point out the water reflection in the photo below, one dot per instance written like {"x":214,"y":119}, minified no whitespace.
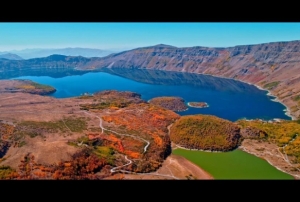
{"x":180,"y":78}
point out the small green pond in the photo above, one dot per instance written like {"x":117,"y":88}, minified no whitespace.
{"x":236,"y":164}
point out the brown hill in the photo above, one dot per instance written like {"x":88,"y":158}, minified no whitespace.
{"x":171,"y":103}
{"x":205,"y":132}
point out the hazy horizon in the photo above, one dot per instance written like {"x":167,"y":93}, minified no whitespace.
{"x":31,"y":49}
{"x":125,"y":36}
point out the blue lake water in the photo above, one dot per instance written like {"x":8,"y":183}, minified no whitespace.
{"x":226,"y":98}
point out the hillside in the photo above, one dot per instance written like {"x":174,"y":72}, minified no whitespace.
{"x":85,"y":137}
{"x":205,"y":132}
{"x":272,"y":66}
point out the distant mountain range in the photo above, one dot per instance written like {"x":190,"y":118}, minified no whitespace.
{"x":38,"y":53}
{"x":10,"y":56}
{"x":272,"y":66}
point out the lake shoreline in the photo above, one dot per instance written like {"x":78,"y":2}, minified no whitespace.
{"x":242,"y":148}
{"x":269,"y":93}
{"x":241,"y":170}
{"x":180,"y":147}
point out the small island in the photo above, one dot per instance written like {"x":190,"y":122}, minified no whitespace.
{"x":171,"y":103}
{"x":198,"y":104}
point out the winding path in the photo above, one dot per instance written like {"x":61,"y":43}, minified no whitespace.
{"x":135,"y":137}
{"x":117,"y":169}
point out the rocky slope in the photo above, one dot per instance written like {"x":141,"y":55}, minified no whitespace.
{"x":273,"y":66}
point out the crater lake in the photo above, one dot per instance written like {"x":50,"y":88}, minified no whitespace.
{"x":227,"y":98}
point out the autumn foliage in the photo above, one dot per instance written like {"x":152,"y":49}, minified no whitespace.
{"x":149,"y":122}
{"x":171,"y":103}
{"x":6,"y":132}
{"x":83,"y":165}
{"x":205,"y":132}
{"x":129,"y":122}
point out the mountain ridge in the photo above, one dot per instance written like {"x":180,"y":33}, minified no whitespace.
{"x":273,"y":66}
{"x":11,"y":56}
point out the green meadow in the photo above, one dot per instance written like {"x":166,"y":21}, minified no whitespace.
{"x":235,"y":164}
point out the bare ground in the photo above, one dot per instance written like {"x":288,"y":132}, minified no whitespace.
{"x":49,"y":148}
{"x":174,"y":168}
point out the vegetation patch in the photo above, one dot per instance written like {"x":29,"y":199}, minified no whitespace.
{"x":105,"y":152}
{"x":113,"y":100}
{"x":38,"y":128}
{"x":7,"y":173}
{"x":104,"y":105}
{"x":296,"y":98}
{"x":205,"y":132}
{"x":86,"y":97}
{"x":271,"y":85}
{"x":75,"y":124}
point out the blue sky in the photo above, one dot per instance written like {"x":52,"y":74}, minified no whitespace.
{"x":17,"y":36}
